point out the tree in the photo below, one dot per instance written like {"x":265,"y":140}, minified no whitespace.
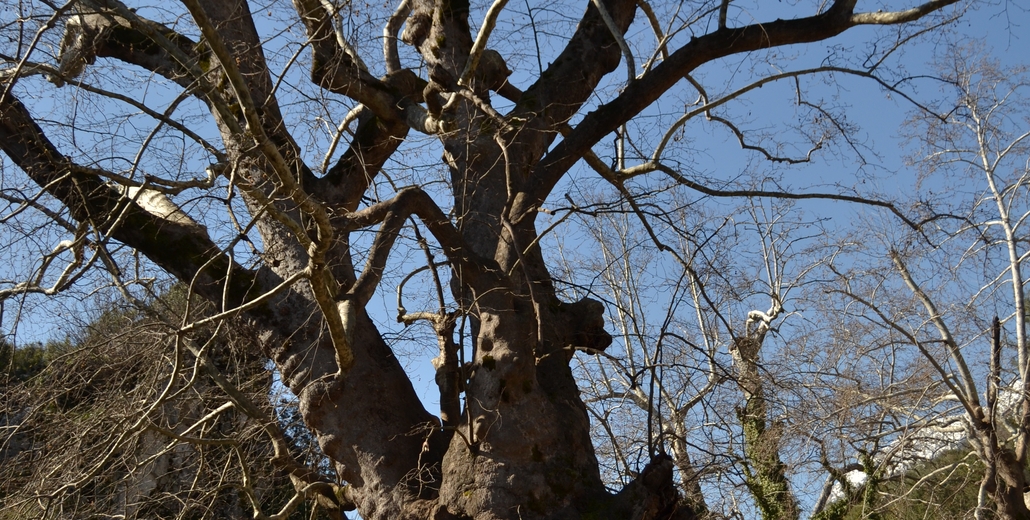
{"x":966,"y":323}
{"x":121,"y":420}
{"x":113,"y":172}
{"x":702,"y":356}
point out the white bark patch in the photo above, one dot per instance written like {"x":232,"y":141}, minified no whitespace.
{"x":157,"y":204}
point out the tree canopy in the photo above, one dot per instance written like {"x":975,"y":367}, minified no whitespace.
{"x":621,"y":319}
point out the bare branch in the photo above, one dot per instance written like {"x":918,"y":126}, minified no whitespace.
{"x":715,"y":192}
{"x":642,"y":92}
{"x":181,"y":249}
{"x":480,"y":44}
{"x":896,"y":17}
{"x":969,"y":384}
{"x":617,"y":34}
{"x":392,"y":213}
{"x":390,"y":30}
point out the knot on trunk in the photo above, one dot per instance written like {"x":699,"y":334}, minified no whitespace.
{"x":493,"y":72}
{"x":406,"y":83}
{"x":653,"y":494}
{"x":419,"y":23}
{"x":83,"y":34}
{"x":585,"y":320}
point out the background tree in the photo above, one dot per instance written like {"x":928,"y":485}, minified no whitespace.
{"x":702,"y":357}
{"x":181,"y":139}
{"x":123,"y":420}
{"x":964,"y":326}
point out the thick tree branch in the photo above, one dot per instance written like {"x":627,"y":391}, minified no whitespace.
{"x":480,"y":273}
{"x":656,"y":27}
{"x":480,"y":44}
{"x":116,"y":31}
{"x":718,"y":44}
{"x":391,"y":57}
{"x":285,"y":178}
{"x":335,"y":70}
{"x":627,"y":54}
{"x":570,"y":80}
{"x":896,"y":17}
{"x":184,"y":250}
{"x":374,"y":142}
{"x":107,"y":28}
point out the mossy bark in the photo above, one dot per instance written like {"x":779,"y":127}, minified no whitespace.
{"x":765,"y":473}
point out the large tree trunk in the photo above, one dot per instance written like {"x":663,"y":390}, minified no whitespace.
{"x":765,"y":473}
{"x":522,"y":447}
